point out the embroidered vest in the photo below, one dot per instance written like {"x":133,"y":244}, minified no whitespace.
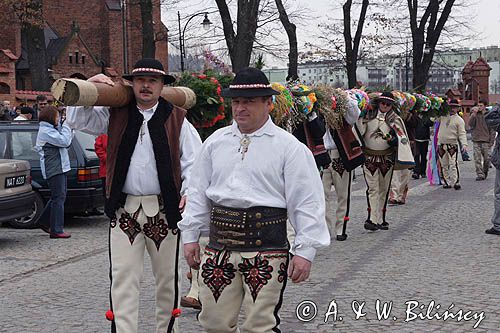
{"x":164,"y":129}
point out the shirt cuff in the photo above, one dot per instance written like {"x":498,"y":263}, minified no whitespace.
{"x":305,"y":252}
{"x":190,"y":236}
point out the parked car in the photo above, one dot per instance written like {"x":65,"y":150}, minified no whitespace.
{"x":16,"y":196}
{"x":84,"y":194}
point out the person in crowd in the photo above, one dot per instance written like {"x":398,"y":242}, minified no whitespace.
{"x":382,"y":131}
{"x":25,"y":114}
{"x":248,"y":178}
{"x":151,"y":149}
{"x":482,"y":140}
{"x":422,"y":139}
{"x":493,"y":121}
{"x":339,"y":173}
{"x":101,"y":146}
{"x":401,"y":178}
{"x":4,"y":112}
{"x":52,"y":144}
{"x":451,"y":133}
{"x":41,"y":103}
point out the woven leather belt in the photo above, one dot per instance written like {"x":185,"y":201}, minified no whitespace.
{"x":252,"y":229}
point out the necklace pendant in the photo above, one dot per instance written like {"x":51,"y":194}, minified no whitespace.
{"x":244,"y":143}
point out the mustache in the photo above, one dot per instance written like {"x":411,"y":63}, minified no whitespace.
{"x":146,"y":91}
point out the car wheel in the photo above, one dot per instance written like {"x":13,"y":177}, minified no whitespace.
{"x":29,"y":221}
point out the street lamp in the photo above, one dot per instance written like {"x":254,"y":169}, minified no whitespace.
{"x":206,"y":25}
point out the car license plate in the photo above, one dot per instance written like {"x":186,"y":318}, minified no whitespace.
{"x":15,"y":181}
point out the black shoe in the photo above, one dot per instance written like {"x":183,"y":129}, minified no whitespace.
{"x":423,"y":175}
{"x":401,"y":202}
{"x":384,"y":226}
{"x":492,"y":231}
{"x":457,"y":186}
{"x":446,"y":186}
{"x":341,"y":237}
{"x":478,"y":178}
{"x":415,"y":176}
{"x":369,"y":225}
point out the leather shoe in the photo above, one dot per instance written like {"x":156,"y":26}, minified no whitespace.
{"x":384,"y":226}
{"x":457,"y":186}
{"x":478,"y":178}
{"x":415,"y":176}
{"x":369,"y":225}
{"x":393,"y":202}
{"x":61,"y":235}
{"x":493,"y":231}
{"x":190,"y":302}
{"x":446,"y":186}
{"x":341,"y":237}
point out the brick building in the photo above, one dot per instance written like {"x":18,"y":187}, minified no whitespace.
{"x":83,"y":38}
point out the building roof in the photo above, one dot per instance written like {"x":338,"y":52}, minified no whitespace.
{"x":480,"y":64}
{"x":30,"y":95}
{"x":9,"y":54}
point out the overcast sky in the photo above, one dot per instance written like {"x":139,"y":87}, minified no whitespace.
{"x":485,"y":16}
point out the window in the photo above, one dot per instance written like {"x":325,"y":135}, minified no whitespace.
{"x":3,"y":144}
{"x":87,"y":142}
{"x":23,"y":143}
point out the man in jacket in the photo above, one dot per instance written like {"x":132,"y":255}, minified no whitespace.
{"x":493,"y":121}
{"x":422,"y":138}
{"x":451,"y":133}
{"x":482,"y":139}
{"x":151,"y":148}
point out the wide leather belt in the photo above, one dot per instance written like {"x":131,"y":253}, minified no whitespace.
{"x":252,"y":229}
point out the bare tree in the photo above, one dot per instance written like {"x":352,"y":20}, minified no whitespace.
{"x":30,"y":14}
{"x":352,"y":45}
{"x":425,"y":36}
{"x":148,"y":35}
{"x":240,"y":44}
{"x":291,"y":31}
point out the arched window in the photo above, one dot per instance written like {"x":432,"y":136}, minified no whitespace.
{"x":4,"y":88}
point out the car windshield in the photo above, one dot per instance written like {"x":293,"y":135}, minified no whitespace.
{"x":87,"y":143}
{"x":3,"y":144}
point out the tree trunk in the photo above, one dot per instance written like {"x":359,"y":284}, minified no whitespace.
{"x":352,"y":45}
{"x":293,"y":54}
{"x":37,"y":57}
{"x":148,"y":36}
{"x":240,"y":45}
{"x":425,"y":36}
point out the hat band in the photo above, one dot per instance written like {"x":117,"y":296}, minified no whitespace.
{"x":143,"y":69}
{"x":249,"y":86}
{"x":387,"y":98}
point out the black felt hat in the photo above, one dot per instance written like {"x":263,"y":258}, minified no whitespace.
{"x":454,"y":103}
{"x":386,"y":96}
{"x":249,"y":82}
{"x":149,"y":66}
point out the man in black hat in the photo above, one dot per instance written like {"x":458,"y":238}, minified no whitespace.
{"x":384,"y":136}
{"x":451,"y":133}
{"x":248,"y":179}
{"x":151,"y":148}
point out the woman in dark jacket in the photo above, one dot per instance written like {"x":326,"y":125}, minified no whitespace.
{"x":52,"y":144}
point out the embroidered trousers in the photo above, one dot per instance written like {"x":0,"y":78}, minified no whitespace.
{"x":340,"y":178}
{"x":399,"y":185}
{"x":377,"y":171}
{"x":232,"y":279}
{"x":482,"y":158}
{"x":131,"y":233}
{"x":448,"y":158}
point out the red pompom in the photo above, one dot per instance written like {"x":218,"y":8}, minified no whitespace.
{"x":176,"y":312}
{"x":346,"y":218}
{"x":369,"y":209}
{"x":110,"y":315}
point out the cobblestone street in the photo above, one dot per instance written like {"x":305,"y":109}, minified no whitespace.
{"x":435,"y":250}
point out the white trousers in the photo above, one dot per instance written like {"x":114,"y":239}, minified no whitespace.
{"x":399,"y":185}
{"x":232,"y":279}
{"x":340,"y":178}
{"x":130,"y":235}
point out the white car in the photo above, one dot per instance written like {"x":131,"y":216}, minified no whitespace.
{"x":16,"y":195}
